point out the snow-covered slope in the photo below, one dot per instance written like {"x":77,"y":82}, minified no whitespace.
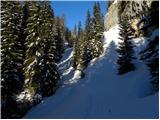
{"x":101,"y":93}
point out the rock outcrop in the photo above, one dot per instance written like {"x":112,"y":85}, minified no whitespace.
{"x":135,"y":10}
{"x":111,"y":18}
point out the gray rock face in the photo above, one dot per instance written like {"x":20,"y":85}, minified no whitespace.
{"x":111,"y":18}
{"x":133,"y":9}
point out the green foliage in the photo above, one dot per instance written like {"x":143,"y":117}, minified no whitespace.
{"x":32,"y":43}
{"x":77,"y":46}
{"x":151,"y":56}
{"x":41,"y":49}
{"x":98,"y":31}
{"x":154,"y":14}
{"x":88,"y":44}
{"x":59,"y":39}
{"x":151,"y":53}
{"x":40,"y":68}
{"x":125,"y":49}
{"x":68,"y":37}
{"x":12,"y":48}
{"x":88,"y":37}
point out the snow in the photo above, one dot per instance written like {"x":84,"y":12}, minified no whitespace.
{"x":31,"y":64}
{"x":66,"y":68}
{"x":21,"y":96}
{"x":93,"y":61}
{"x":38,"y":39}
{"x":65,"y":60}
{"x":115,"y":1}
{"x":101,"y":93}
{"x":26,"y":81}
{"x":111,"y":35}
{"x":141,"y":44}
{"x":77,"y":74}
{"x":154,"y":34}
{"x":68,"y":71}
{"x":37,"y":53}
{"x":24,"y":95}
{"x":31,"y":44}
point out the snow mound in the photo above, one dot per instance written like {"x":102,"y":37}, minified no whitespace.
{"x":77,"y":75}
{"x":111,"y":35}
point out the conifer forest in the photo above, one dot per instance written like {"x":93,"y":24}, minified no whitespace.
{"x":105,"y":66}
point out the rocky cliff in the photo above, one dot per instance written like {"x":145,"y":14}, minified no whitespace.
{"x":111,"y":18}
{"x":135,"y":10}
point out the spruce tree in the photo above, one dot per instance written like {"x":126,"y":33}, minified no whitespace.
{"x":153,"y":48}
{"x":153,"y":63}
{"x":59,"y":38}
{"x":98,"y":31}
{"x":32,"y":45}
{"x":41,"y":74}
{"x":102,"y":22}
{"x":151,"y":53}
{"x":75,"y":45}
{"x":87,"y":55}
{"x":68,"y":37}
{"x":125,"y":49}
{"x":12,"y":52}
{"x":151,"y":56}
{"x":154,"y":14}
{"x":63,"y":25}
{"x":108,"y":4}
{"x":80,"y":47}
{"x":48,"y":68}
{"x":12,"y":48}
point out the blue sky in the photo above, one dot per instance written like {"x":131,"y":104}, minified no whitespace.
{"x":75,"y":10}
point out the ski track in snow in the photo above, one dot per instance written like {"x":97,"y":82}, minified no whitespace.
{"x":101,"y":93}
{"x":66,"y":58}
